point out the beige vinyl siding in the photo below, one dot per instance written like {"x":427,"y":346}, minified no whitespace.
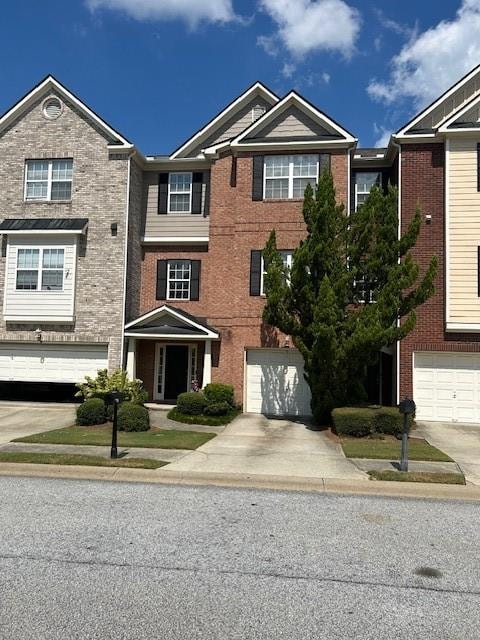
{"x":463,"y":232}
{"x":292,"y":123}
{"x":171,"y":225}
{"x":46,"y":306}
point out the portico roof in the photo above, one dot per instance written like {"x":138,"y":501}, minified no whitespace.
{"x":170,"y":322}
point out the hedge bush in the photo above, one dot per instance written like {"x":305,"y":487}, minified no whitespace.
{"x":133,"y":417}
{"x":191,"y":403}
{"x":216,"y":393}
{"x":91,"y":412}
{"x":389,"y":420}
{"x":217,"y":409}
{"x":353,"y":421}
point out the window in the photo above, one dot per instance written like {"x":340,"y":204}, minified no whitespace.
{"x":180,"y":193}
{"x":40,"y":269}
{"x":287,"y":261}
{"x":48,"y":180}
{"x":364,"y":182}
{"x":178,"y":279}
{"x":287,"y":176}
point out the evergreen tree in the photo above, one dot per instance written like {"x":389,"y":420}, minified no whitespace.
{"x":353,"y":288}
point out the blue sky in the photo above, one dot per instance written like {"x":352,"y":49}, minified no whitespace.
{"x":157,"y":70}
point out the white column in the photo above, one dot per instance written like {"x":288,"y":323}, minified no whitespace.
{"x":207,"y":363}
{"x":131,"y":353}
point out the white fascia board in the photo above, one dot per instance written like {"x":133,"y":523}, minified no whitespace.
{"x":290,"y":99}
{"x":175,"y":240}
{"x":166,"y":310}
{"x":168,"y":336}
{"x":307,"y":144}
{"x":258,"y":87}
{"x":438,"y":102}
{"x":413,"y":139}
{"x":459,"y":327}
{"x":51,"y":83}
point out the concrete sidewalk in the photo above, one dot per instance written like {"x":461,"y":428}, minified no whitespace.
{"x":255,"y":445}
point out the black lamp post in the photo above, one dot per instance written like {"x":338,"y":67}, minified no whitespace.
{"x":115,"y":397}
{"x":407,"y":407}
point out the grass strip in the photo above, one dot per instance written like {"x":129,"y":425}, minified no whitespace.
{"x":418,"y":476}
{"x":389,"y":448}
{"x":77,"y":459}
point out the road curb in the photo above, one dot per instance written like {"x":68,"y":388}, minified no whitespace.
{"x":316,"y":485}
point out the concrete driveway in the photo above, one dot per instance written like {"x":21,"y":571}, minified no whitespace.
{"x":24,"y":419}
{"x":253,"y":444}
{"x":459,"y":441}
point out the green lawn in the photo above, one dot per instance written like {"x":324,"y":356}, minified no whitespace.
{"x":389,"y":448}
{"x":211,"y":421}
{"x":420,"y":476}
{"x":102,"y":436}
{"x":89,"y":461}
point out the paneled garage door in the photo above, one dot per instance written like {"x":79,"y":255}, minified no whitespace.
{"x":446,"y":386}
{"x":275,"y":383}
{"x":51,"y":363}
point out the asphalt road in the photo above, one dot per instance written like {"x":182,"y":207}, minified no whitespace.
{"x":107,"y":560}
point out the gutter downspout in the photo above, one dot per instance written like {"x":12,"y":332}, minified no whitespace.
{"x":125,"y":262}
{"x":398,"y":146}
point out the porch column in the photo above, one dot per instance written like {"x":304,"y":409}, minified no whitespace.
{"x":207,"y":363}
{"x":131,"y":364}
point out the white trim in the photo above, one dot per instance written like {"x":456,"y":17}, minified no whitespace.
{"x":172,"y":280}
{"x":131,"y":358}
{"x":175,"y":239}
{"x":43,"y":319}
{"x":125,"y":261}
{"x":307,"y":144}
{"x":349,"y":182}
{"x":438,"y":102}
{"x":460,"y":327}
{"x":170,"y":336}
{"x":290,"y":99}
{"x":447,"y":230}
{"x":51,"y":83}
{"x":458,"y":114}
{"x":258,"y":87}
{"x":290,"y":177}
{"x":162,"y":346}
{"x":399,"y":234}
{"x":182,"y":193}
{"x":165,"y":309}
{"x":207,"y":364}
{"x":40,"y":268}
{"x":49,"y":180}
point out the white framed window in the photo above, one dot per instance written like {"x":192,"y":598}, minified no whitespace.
{"x":364,"y":182}
{"x":287,"y":257}
{"x":48,"y":179}
{"x":286,"y":177}
{"x":180,"y":192}
{"x":178,"y":279}
{"x":40,"y":269}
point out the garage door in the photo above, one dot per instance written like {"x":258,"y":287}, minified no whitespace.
{"x":50,"y":363}
{"x":446,"y":386}
{"x":275,"y":383}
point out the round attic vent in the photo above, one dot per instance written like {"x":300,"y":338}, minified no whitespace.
{"x":52,"y":108}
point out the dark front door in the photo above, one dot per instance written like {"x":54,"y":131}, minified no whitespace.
{"x":176,"y":370}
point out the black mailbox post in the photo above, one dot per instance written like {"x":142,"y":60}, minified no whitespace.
{"x":115,"y":397}
{"x":406,"y":407}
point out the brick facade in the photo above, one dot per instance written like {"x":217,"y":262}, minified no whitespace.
{"x":238,"y":225}
{"x":422,"y":178}
{"x":99,"y":193}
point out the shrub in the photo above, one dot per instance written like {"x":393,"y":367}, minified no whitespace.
{"x":133,"y":417}
{"x":191,"y":403}
{"x":90,"y":412}
{"x":217,"y":409}
{"x":105,"y":383}
{"x":216,"y":393}
{"x":389,"y":420}
{"x":353,"y":421}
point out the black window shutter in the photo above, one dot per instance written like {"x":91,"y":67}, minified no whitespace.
{"x":255,"y":272}
{"x":257,"y":178}
{"x":197,"y":182}
{"x":478,"y":166}
{"x":323,"y":163}
{"x":162,"y":193}
{"x":161,"y":279}
{"x":206,"y":181}
{"x":194,"y":279}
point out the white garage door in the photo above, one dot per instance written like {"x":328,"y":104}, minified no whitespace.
{"x":50,"y":363}
{"x":446,"y":386}
{"x":275,"y":383}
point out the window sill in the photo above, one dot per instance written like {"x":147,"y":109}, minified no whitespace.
{"x":43,"y":319}
{"x":282,"y":200}
{"x":47,"y":201}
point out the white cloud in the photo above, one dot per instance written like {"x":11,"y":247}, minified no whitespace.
{"x":313,"y":25}
{"x":433,"y":60}
{"x":383,"y":135}
{"x":288,"y":70}
{"x":191,"y":11}
{"x":326,"y":77}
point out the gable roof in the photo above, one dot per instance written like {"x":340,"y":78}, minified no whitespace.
{"x":45,"y":86}
{"x":204,"y":132}
{"x":336,"y":132}
{"x":449,"y":93}
{"x":177,"y":324}
{"x":458,"y":121}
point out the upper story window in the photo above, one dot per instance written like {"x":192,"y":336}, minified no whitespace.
{"x":48,"y":180}
{"x":287,"y":257}
{"x":180,"y":192}
{"x":286,"y":177}
{"x":364,"y":183}
{"x":178,"y":279}
{"x":40,"y":269}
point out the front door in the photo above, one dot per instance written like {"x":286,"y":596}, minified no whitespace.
{"x":176,"y":370}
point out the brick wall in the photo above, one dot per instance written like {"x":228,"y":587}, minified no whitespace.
{"x":422,"y":170}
